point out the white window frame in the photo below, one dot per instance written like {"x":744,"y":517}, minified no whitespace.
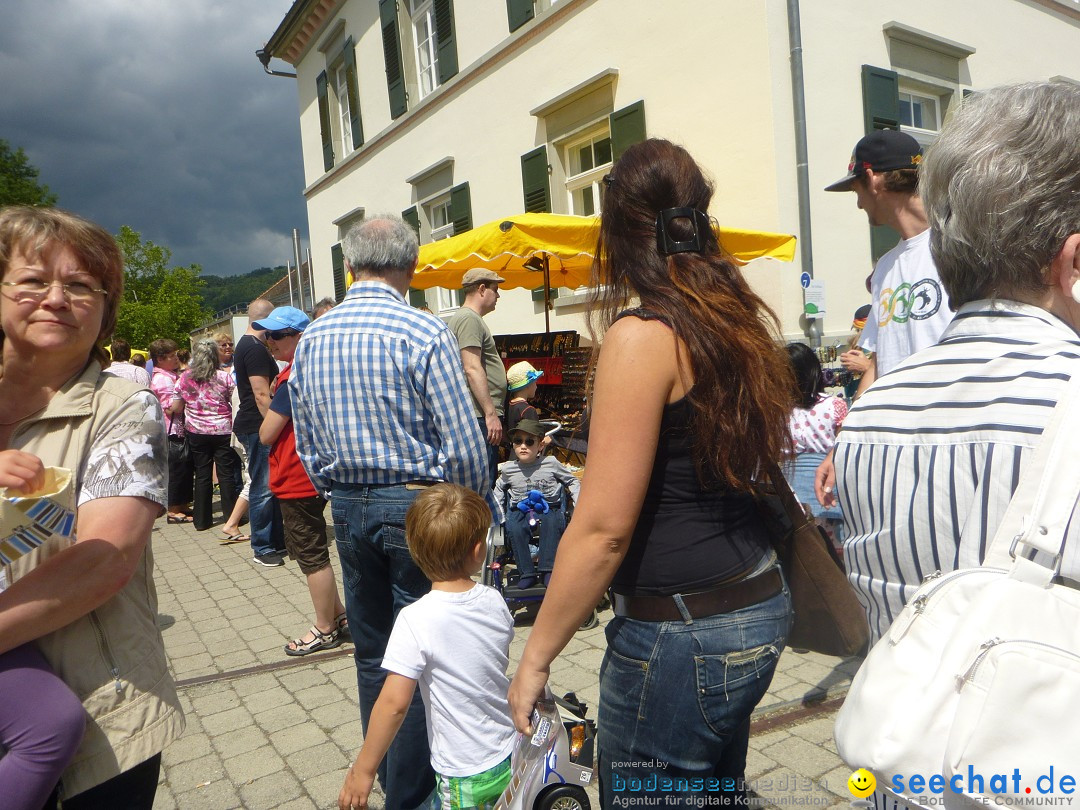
{"x":437,"y":212}
{"x":924,"y":92}
{"x":423,"y":11}
{"x":590,"y":177}
{"x":344,"y":114}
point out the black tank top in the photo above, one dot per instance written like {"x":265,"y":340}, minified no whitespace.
{"x":688,"y":537}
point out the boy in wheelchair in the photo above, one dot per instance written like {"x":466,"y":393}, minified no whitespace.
{"x":532,"y":488}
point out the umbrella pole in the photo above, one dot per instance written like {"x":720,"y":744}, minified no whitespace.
{"x":547,"y":297}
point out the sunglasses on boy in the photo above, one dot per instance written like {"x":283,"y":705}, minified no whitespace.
{"x":528,"y":441}
{"x":282,"y":334}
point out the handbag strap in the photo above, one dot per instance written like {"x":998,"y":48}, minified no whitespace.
{"x":1042,"y":505}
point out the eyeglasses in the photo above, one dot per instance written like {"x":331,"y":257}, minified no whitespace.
{"x":528,"y":442}
{"x":34,"y":290}
{"x":282,"y":334}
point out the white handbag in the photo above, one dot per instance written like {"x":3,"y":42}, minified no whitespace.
{"x":979,"y":675}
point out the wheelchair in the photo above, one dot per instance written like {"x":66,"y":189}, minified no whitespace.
{"x":501,"y":569}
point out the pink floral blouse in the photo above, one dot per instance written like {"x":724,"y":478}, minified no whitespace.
{"x":207,"y":405}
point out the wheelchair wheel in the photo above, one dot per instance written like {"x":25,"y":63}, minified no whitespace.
{"x":592,"y":621}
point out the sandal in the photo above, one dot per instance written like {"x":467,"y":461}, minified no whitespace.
{"x":321,"y":641}
{"x":171,"y":518}
{"x":227,"y":538}
{"x":342,"y":621}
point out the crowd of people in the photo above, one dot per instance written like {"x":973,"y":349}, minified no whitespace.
{"x":396,"y":418}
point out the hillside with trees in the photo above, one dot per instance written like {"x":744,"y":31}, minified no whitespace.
{"x":222,"y":292}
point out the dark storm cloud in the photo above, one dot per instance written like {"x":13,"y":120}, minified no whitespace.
{"x":157,"y":115}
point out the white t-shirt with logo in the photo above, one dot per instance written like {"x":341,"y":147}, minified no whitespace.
{"x":457,"y":645}
{"x":910,"y":307}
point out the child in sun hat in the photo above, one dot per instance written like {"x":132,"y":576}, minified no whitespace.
{"x":521,"y":387}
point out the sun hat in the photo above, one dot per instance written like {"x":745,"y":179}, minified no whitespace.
{"x":521,"y":374}
{"x":883,"y":150}
{"x":283,"y":318}
{"x":530,"y":426}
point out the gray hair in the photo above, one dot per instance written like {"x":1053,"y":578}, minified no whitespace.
{"x":1000,"y":189}
{"x":204,"y":359}
{"x":381,"y":244}
{"x":322,"y":306}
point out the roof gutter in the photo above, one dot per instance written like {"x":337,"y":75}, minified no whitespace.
{"x":264,"y":57}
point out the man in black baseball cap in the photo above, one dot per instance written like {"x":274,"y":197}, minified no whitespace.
{"x":883,"y":150}
{"x":909,"y":307}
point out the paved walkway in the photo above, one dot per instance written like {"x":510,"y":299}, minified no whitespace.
{"x":268,"y":731}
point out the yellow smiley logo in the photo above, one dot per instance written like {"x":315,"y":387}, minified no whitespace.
{"x":861,"y":783}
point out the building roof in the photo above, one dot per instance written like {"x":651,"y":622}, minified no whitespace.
{"x":304,"y":19}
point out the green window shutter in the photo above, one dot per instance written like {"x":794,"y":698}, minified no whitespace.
{"x":519,"y":12}
{"x":337,"y":261}
{"x":881,"y":110}
{"x":349,"y":56}
{"x":417,"y":298}
{"x":412,"y":216}
{"x":445,"y":40}
{"x":461,"y":208}
{"x":395,"y":71}
{"x":534,"y":181}
{"x":538,"y":294}
{"x":324,"y":122}
{"x":881,"y":99}
{"x":627,"y":128}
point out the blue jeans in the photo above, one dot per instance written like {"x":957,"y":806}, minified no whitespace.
{"x":264,"y":515}
{"x":679,"y":695}
{"x":519,"y":533}
{"x":380,"y":578}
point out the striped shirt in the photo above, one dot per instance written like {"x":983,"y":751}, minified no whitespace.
{"x":379,"y":397}
{"x":930,"y":456}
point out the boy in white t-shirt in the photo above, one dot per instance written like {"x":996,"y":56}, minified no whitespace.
{"x":454,"y":642}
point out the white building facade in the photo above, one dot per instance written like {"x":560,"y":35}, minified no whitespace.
{"x":457,"y":112}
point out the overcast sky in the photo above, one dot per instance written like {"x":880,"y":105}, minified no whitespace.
{"x":157,"y":114}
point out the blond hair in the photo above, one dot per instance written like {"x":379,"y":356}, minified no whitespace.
{"x":442,"y":527}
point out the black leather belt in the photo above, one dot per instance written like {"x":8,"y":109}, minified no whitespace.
{"x":721,"y":599}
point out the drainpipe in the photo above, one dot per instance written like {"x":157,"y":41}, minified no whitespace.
{"x":802,"y":176}
{"x":299,"y":269}
{"x":264,"y":57}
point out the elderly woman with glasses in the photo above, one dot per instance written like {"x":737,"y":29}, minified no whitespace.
{"x":89,"y":606}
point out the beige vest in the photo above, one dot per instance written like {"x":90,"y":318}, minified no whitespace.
{"x":114,"y":657}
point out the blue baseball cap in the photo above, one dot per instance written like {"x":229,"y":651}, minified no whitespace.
{"x":284,"y":318}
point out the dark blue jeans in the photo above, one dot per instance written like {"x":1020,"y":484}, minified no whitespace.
{"x":264,"y":515}
{"x":679,"y":695}
{"x":518,"y":533}
{"x":381,"y":578}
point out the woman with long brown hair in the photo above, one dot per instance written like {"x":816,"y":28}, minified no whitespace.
{"x":666,"y":515}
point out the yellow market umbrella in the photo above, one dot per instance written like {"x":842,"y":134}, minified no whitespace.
{"x":554,"y":250}
{"x":508,"y":245}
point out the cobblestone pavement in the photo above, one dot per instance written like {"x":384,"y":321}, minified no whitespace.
{"x":265,"y":730}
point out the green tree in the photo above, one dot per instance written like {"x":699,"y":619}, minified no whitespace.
{"x":18,"y":180}
{"x":159,"y":301}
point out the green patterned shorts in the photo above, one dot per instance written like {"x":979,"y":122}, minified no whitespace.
{"x":480,"y":790}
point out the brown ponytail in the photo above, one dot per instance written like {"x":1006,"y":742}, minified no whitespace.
{"x":743,"y":384}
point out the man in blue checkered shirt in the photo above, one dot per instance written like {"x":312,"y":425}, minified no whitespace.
{"x":381,"y":411}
